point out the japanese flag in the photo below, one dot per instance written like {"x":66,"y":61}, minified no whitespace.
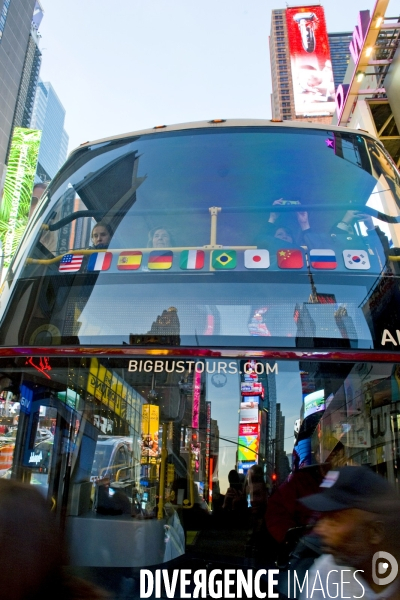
{"x":256,"y":259}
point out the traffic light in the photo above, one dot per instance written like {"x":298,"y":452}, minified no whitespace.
{"x":274,"y":478}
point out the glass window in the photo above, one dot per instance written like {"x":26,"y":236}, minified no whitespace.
{"x":180,"y":238}
{"x":214,"y":438}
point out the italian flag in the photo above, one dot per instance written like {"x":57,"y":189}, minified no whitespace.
{"x":192,"y":259}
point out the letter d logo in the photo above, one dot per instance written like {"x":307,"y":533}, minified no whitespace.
{"x":383,"y":568}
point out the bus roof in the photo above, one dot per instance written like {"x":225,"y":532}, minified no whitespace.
{"x":217,"y":123}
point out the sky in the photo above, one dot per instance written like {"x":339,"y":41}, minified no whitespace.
{"x":128,"y":65}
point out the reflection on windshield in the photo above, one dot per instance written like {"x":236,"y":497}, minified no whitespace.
{"x":198,"y":444}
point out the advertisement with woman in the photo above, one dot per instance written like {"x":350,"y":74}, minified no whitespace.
{"x":313,"y":86}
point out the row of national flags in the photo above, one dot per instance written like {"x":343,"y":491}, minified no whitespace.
{"x":286,"y":258}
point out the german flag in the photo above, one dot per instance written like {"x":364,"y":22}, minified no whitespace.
{"x":129,"y":260}
{"x":160,"y":259}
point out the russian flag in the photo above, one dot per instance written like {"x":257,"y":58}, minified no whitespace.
{"x":100,"y":261}
{"x":323,"y":259}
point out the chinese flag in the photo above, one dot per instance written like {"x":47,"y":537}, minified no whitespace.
{"x":290,"y":259}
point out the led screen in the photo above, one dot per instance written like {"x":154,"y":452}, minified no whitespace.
{"x":311,"y":64}
{"x":314,"y":402}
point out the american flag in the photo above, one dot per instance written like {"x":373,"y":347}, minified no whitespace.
{"x":70,"y":263}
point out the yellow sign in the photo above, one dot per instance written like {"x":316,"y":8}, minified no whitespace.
{"x":150,"y":419}
{"x":109,"y":388}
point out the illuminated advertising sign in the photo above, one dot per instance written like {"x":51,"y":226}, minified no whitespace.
{"x":249,"y":429}
{"x":248,"y":447}
{"x":109,"y":388}
{"x":249,"y":412}
{"x":150,"y":427}
{"x":243,"y":467}
{"x":312,"y":75}
{"x":314,"y":402}
{"x":18,"y":185}
{"x":196,"y":400}
{"x":251,"y":388}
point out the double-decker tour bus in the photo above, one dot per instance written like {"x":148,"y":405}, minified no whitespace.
{"x":194,"y":312}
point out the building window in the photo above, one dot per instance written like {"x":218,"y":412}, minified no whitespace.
{"x":286,"y":111}
{"x":286,"y":104}
{"x":3,"y":16}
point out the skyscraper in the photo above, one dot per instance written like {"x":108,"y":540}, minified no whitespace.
{"x":302,"y":78}
{"x":15,"y":27}
{"x":30,"y":74}
{"x":49,"y":115}
{"x":282,"y":88}
{"x":340,"y":54}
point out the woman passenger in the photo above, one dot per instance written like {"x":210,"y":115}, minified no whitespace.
{"x":101,"y":235}
{"x":159,"y":237}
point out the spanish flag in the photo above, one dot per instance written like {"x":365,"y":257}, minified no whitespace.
{"x":160,"y":259}
{"x":129,"y":260}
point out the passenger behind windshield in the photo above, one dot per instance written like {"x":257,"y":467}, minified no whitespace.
{"x":344,"y":234}
{"x":281,"y":231}
{"x":101,"y":235}
{"x":159,"y":237}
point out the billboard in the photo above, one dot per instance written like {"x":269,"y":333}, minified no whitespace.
{"x":248,"y":447}
{"x":248,"y":412}
{"x":18,"y":185}
{"x":312,"y":75}
{"x":314,"y":402}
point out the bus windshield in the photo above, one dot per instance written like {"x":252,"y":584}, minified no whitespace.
{"x":255,"y":234}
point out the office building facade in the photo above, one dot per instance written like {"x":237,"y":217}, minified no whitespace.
{"x":49,"y":115}
{"x":15,"y":28}
{"x":30,"y":74}
{"x":340,"y":54}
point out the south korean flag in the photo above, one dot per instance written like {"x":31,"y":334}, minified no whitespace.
{"x":256,"y":259}
{"x":356,"y":260}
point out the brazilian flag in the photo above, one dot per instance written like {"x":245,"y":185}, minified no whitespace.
{"x":224,"y":259}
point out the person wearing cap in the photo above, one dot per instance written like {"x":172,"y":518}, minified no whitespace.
{"x":358,"y":518}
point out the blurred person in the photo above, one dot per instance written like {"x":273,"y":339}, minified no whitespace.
{"x":159,"y":237}
{"x":257,"y":490}
{"x":287,"y":519}
{"x":277,"y":229}
{"x":235,"y":498}
{"x":358,"y":517}
{"x":257,"y":493}
{"x":101,"y":235}
{"x":33,"y":550}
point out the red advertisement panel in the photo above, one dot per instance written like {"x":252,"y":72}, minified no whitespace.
{"x":313,"y":87}
{"x":248,"y":429}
